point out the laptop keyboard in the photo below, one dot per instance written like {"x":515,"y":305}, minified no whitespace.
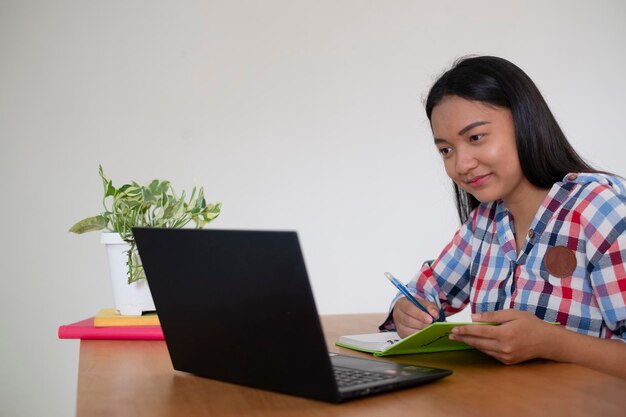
{"x":348,"y":376}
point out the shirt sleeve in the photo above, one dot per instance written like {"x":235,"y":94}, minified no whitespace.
{"x":605,"y":230}
{"x":446,"y":280}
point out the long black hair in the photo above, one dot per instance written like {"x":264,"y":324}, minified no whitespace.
{"x":545,"y":154}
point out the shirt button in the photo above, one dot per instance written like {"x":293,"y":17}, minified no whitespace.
{"x":531,"y":233}
{"x":572,"y":177}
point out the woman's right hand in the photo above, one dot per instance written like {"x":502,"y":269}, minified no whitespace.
{"x":410,"y":319}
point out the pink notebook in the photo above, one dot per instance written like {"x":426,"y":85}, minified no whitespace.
{"x":85,"y":329}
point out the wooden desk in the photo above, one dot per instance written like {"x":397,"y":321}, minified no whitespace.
{"x":136,"y":378}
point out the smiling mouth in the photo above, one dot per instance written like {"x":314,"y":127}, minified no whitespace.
{"x":478,"y":180}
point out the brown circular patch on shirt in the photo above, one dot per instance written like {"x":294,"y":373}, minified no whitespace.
{"x":560,"y":261}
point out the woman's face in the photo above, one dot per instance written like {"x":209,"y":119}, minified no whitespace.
{"x":477,"y":144}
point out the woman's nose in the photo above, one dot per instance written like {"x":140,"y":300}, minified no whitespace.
{"x":465,"y":161}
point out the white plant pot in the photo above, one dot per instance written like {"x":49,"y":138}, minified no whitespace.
{"x":130,"y":299}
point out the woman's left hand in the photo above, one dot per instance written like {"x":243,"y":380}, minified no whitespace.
{"x":519,"y":335}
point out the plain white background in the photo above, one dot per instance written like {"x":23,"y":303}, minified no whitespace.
{"x":303,"y":115}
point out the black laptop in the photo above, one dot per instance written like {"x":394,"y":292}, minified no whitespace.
{"x":237,"y":306}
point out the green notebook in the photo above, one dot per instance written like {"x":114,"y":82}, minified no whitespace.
{"x":433,"y":338}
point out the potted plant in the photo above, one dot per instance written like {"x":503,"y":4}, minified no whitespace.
{"x":134,"y":205}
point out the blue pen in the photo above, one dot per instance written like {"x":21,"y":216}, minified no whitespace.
{"x":408,"y":295}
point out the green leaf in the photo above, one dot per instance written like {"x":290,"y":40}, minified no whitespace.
{"x":193,"y":194}
{"x":109,"y":189}
{"x":160,"y":187}
{"x":147,"y":195}
{"x":90,"y":224}
{"x":123,"y":188}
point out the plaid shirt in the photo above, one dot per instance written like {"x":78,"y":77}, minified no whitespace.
{"x":585,"y":215}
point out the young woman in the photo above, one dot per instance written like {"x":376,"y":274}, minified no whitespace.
{"x":543,"y":235}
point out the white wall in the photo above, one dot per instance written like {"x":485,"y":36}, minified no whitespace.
{"x":298,"y":115}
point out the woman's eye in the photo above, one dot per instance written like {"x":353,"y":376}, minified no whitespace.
{"x":475,"y":138}
{"x":445,"y":151}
